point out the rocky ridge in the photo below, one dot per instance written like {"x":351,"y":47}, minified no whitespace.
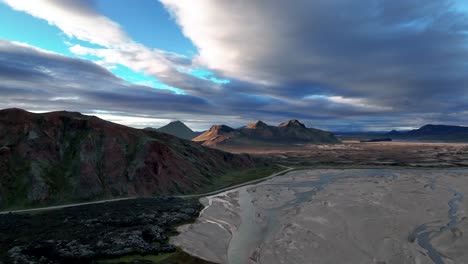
{"x":290,"y":132}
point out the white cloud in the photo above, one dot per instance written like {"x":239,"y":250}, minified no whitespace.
{"x":77,"y":19}
{"x":39,"y":80}
{"x":226,"y":35}
{"x":133,"y":121}
{"x":378,"y":59}
{"x":383,"y":50}
{"x":358,"y":102}
{"x":133,"y":55}
{"x":65,"y":98}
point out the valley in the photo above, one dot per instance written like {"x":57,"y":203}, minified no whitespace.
{"x":233,"y":132}
{"x":237,"y":196}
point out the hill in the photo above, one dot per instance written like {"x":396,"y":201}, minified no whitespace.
{"x":434,"y":132}
{"x":290,"y":132}
{"x":178,"y":129}
{"x":66,"y":156}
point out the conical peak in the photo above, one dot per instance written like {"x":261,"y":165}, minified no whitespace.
{"x":176,"y":122}
{"x":223,"y":128}
{"x":256,"y":124}
{"x":291,"y":123}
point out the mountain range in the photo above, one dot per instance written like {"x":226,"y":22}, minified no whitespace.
{"x":178,"y":129}
{"x":66,"y":156}
{"x":442,"y":133}
{"x":290,"y":132}
{"x":433,"y":132}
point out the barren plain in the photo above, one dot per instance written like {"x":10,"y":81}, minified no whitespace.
{"x":389,"y":202}
{"x":357,"y":154}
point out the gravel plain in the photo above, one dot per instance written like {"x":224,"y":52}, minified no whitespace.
{"x":336,"y":216}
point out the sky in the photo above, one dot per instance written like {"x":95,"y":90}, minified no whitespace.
{"x":339,"y":65}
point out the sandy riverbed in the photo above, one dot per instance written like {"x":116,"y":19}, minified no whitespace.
{"x":336,"y":216}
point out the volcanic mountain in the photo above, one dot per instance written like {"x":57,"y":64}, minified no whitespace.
{"x":434,"y":132}
{"x":289,"y":132}
{"x":66,"y":156}
{"x":178,"y":129}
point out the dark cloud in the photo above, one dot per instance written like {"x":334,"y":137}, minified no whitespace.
{"x":40,"y":80}
{"x":406,"y":56}
{"x":339,"y":65}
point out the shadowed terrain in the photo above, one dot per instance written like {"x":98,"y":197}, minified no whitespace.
{"x":434,"y":133}
{"x":65,"y":156}
{"x":117,"y":232}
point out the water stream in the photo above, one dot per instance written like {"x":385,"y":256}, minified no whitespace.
{"x":250,"y":234}
{"x":254,"y":230}
{"x":424,"y":233}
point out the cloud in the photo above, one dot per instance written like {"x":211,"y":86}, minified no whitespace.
{"x":40,"y":80}
{"x":78,"y":19}
{"x":399,"y":63}
{"x":399,"y":54}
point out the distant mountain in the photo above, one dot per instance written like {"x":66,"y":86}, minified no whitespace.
{"x":434,"y":132}
{"x":439,"y":130}
{"x":178,"y":129}
{"x":66,"y":156}
{"x":217,"y":134}
{"x":289,"y":132}
{"x":395,"y":133}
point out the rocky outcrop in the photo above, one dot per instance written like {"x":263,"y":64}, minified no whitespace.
{"x":292,"y":123}
{"x":217,"y":134}
{"x":66,"y":156}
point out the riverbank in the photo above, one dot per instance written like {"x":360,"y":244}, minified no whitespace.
{"x":228,"y":180}
{"x":84,"y":232}
{"x":331,"y":216}
{"x":252,"y":179}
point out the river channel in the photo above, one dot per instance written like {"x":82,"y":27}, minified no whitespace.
{"x":331,"y":216}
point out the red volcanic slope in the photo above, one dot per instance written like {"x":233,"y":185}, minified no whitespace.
{"x":65,"y":156}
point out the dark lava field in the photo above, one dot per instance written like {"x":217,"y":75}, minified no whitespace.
{"x":98,"y":233}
